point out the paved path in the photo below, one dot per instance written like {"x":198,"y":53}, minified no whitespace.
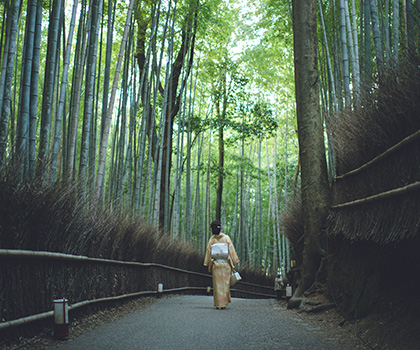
{"x":191,"y":322}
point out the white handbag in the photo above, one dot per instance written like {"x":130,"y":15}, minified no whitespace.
{"x":234,"y":277}
{"x":219,"y":251}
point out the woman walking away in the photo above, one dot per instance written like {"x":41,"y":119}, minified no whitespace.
{"x":220,"y":258}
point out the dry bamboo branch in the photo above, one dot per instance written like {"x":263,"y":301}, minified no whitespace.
{"x":396,"y":192}
{"x":394,"y":148}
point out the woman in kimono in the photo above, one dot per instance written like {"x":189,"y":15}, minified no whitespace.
{"x":220,"y":268}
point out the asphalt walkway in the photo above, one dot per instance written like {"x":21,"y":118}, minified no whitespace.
{"x":191,"y":322}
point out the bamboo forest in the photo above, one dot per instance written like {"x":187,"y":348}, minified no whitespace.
{"x":183,"y":111}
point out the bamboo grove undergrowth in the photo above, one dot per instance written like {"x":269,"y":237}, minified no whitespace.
{"x":121,"y":98}
{"x":182,"y":111}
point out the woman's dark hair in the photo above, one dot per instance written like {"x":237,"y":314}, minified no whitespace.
{"x":216,"y":227}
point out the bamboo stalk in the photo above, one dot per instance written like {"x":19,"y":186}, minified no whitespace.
{"x":394,"y":148}
{"x":392,"y":193}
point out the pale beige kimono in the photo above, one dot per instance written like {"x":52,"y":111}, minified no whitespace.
{"x":221,"y":270}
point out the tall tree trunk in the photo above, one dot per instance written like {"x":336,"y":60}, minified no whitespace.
{"x":95,"y":15}
{"x":176,"y":198}
{"x":185,"y":53}
{"x":356,"y":44}
{"x":377,"y":36}
{"x":49,"y":83}
{"x":367,"y":73}
{"x":121,"y":144}
{"x":276,"y":209}
{"x":22,"y":139}
{"x":418,"y":12}
{"x":242,"y":233}
{"x":62,"y":96}
{"x":271,"y":211}
{"x":219,"y":191}
{"x":197,"y":215}
{"x":410,"y":27}
{"x":387,"y":44}
{"x":405,"y":24}
{"x":33,"y":112}
{"x":76,"y":93}
{"x":207,"y":199}
{"x":107,"y":121}
{"x":259,"y":216}
{"x":221,"y":102}
{"x":108,"y":59}
{"x":286,"y":199}
{"x":13,"y":14}
{"x":354,"y":49}
{"x":327,"y":51}
{"x":315,"y":192}
{"x":395,"y":32}
{"x":188,"y":189}
{"x":147,"y":123}
{"x":344,"y":53}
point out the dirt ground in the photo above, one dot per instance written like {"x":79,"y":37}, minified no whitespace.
{"x":80,"y":325}
{"x":395,"y":327}
{"x":372,"y":332}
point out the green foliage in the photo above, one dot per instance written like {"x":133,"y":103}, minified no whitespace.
{"x":263,"y":120}
{"x":242,"y":62}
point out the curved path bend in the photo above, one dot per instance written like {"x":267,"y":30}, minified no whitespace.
{"x":191,"y":322}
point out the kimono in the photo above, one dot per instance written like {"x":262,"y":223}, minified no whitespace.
{"x":221,"y":270}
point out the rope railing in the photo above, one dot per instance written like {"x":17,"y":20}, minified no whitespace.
{"x":386,"y":153}
{"x":16,"y":253}
{"x":29,"y":254}
{"x":383,"y":195}
{"x":69,"y":257}
{"x":48,"y":314}
{"x":387,"y":194}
